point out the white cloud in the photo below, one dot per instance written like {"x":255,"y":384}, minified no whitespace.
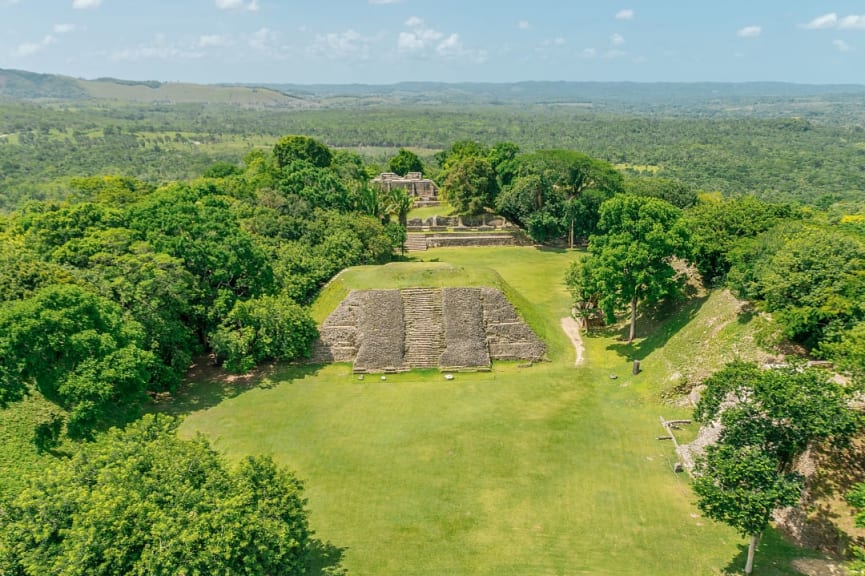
{"x":348,"y":45}
{"x":523,"y":25}
{"x":85,"y":4}
{"x":216,"y":40}
{"x":30,"y":48}
{"x":262,"y":39}
{"x":63,"y":28}
{"x":823,"y":22}
{"x":625,"y":14}
{"x":419,"y":37}
{"x":852,"y":22}
{"x":589,"y":53}
{"x":832,"y":20}
{"x":423,"y":42}
{"x":749,"y":32}
{"x":842,"y":46}
{"x":160,"y":48}
{"x":617,"y":39}
{"x":248,"y":6}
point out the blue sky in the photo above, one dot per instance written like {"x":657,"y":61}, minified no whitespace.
{"x":385,"y":41}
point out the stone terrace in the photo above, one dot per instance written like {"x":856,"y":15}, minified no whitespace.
{"x":450,"y":328}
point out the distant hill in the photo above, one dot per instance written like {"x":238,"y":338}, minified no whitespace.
{"x":19,"y":85}
{"x":836,"y":103}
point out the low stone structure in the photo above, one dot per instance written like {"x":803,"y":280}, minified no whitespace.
{"x":448,"y":328}
{"x":423,"y":190}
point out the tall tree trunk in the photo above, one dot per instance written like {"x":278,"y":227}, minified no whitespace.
{"x":571,"y":235}
{"x":633,"y":319}
{"x":752,"y":547}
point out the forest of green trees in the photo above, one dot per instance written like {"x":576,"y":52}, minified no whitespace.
{"x":126,"y":252}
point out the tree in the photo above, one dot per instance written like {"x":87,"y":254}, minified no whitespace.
{"x":573,"y":174}
{"x":142,"y":501}
{"x":471,"y":185}
{"x":266,"y":328}
{"x":404,"y":162}
{"x":630,"y":258}
{"x":673,"y":191}
{"x":292,"y":148}
{"x":78,"y":349}
{"x":768,"y":419}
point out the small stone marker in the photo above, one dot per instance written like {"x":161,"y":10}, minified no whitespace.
{"x":677,"y":467}
{"x":613,"y":376}
{"x":449,"y":376}
{"x":636,"y":369}
{"x":384,"y":377}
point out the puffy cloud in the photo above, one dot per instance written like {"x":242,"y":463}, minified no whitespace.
{"x":832,"y":20}
{"x":422,"y":41}
{"x":348,"y":45}
{"x":523,"y":25}
{"x":86,"y":4}
{"x":30,"y":48}
{"x":248,"y":6}
{"x":625,"y":14}
{"x":822,"y":22}
{"x":617,"y":39}
{"x":63,"y":28}
{"x":842,"y":46}
{"x":852,"y":22}
{"x":749,"y":32}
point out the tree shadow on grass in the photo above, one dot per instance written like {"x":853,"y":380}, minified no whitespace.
{"x":206,"y":385}
{"x":325,"y":559}
{"x":657,"y":326}
{"x":773,"y":558}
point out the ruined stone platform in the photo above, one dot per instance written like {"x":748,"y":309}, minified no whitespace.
{"x":447,"y":328}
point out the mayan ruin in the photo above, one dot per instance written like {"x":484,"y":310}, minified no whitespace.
{"x":447,"y":328}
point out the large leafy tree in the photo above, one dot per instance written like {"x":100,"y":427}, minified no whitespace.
{"x":630,"y":258}
{"x":582,"y":182}
{"x":769,"y":418}
{"x":142,"y":501}
{"x":404,"y":162}
{"x":471,"y":185}
{"x":266,"y":328}
{"x":78,"y":349}
{"x":293,"y":148}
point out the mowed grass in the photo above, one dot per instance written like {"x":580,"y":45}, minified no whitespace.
{"x":551,"y":469}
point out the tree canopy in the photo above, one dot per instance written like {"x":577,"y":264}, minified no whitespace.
{"x":630,"y":257}
{"x":769,"y":418}
{"x":143,"y":501}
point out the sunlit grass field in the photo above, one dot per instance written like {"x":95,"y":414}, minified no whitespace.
{"x":549,"y":469}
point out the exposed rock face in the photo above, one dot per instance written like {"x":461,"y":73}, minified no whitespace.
{"x":449,"y":328}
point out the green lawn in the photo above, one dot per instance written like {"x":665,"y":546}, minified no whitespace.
{"x":552,"y":469}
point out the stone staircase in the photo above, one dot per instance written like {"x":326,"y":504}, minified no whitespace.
{"x":415,"y":242}
{"x":424,"y":337}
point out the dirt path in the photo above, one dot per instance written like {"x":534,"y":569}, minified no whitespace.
{"x":572,"y":329}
